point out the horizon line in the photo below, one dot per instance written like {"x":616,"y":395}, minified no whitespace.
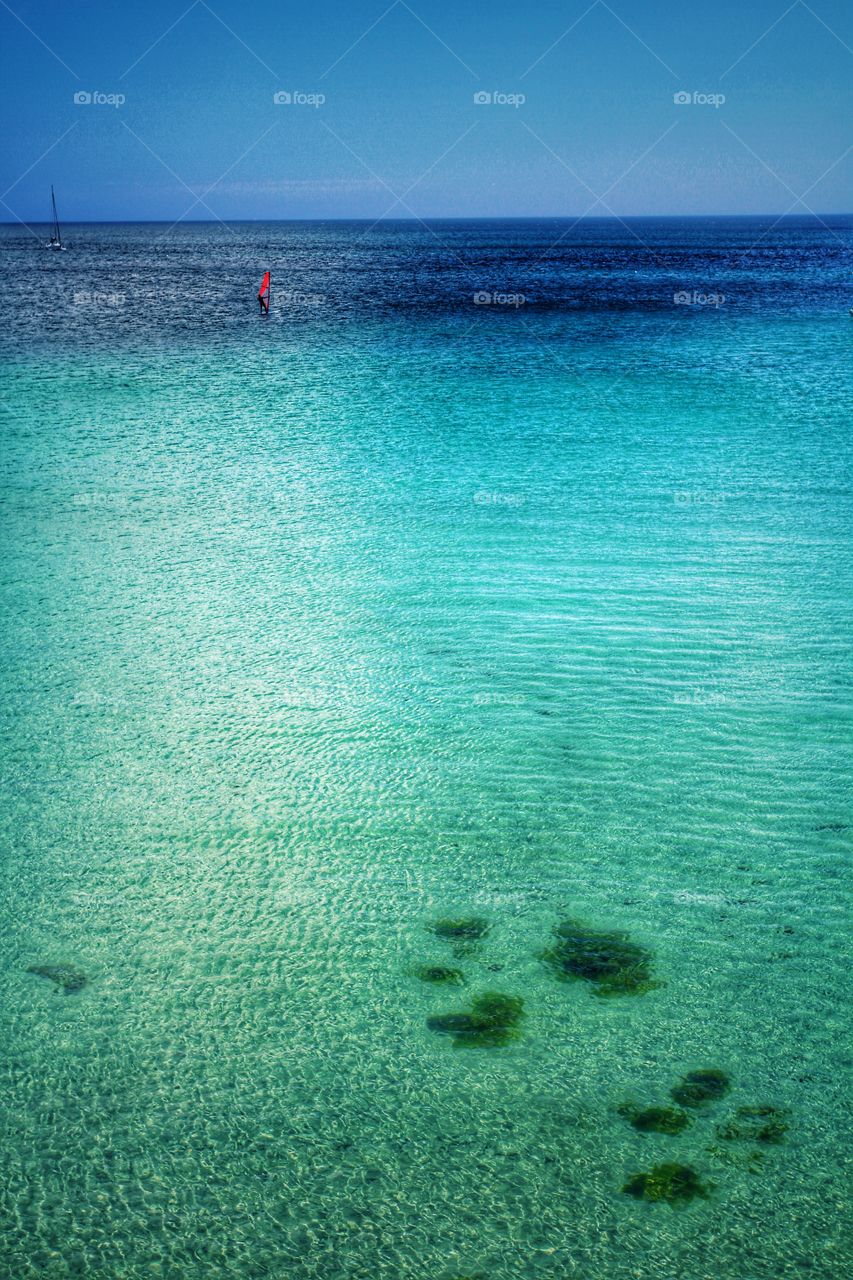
{"x":438,"y":217}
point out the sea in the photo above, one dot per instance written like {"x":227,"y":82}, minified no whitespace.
{"x":477,"y":622}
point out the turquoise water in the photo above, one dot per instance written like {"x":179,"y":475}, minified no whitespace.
{"x":393,"y":607}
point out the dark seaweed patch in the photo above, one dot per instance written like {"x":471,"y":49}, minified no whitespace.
{"x":493,"y":1021}
{"x":655,"y":1119}
{"x":675,"y":1184}
{"x":614,"y":964}
{"x":698,"y":1087}
{"x":67,"y":979}
{"x":460,"y":929}
{"x":439,"y":974}
{"x":755,"y":1124}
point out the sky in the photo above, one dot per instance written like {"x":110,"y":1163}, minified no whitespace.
{"x":205,"y":109}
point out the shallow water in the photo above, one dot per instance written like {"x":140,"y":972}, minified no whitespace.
{"x":392,"y":606}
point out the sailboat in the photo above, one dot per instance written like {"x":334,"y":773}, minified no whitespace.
{"x":55,"y":233}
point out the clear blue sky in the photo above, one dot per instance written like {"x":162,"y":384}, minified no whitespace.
{"x":400,"y":116}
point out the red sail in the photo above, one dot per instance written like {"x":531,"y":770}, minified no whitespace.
{"x":264,"y":292}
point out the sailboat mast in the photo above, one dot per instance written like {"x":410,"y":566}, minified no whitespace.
{"x":54,"y":233}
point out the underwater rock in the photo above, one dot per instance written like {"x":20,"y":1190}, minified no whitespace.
{"x":655,"y":1119}
{"x":614,"y":964}
{"x":439,"y":973}
{"x":672,"y":1183}
{"x":67,"y":979}
{"x":755,"y":1124}
{"x":492,"y":1021}
{"x":699,"y":1087}
{"x":463,"y":929}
